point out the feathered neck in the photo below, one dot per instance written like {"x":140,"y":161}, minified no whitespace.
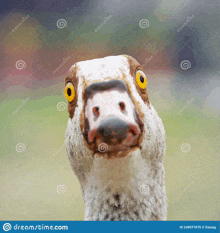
{"x":116,"y":206}
{"x":123,"y":189}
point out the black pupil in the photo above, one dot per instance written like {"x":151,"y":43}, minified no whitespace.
{"x":69,"y":92}
{"x":142,"y":79}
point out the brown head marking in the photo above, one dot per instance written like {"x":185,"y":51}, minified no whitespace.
{"x":134,"y":66}
{"x":71,"y":77}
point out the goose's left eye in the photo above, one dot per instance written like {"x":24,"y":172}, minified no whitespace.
{"x":141,"y":79}
{"x":69,"y":92}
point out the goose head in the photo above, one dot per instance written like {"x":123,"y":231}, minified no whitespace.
{"x":115,"y":140}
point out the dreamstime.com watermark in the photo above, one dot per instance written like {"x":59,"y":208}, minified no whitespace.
{"x":144,"y":23}
{"x":64,"y":61}
{"x":106,"y":19}
{"x":188,"y":103}
{"x":185,"y":65}
{"x":185,"y":147}
{"x":152,"y":49}
{"x":22,"y":21}
{"x":59,"y":149}
{"x":61,"y":23}
{"x":20,"y":65}
{"x":17,"y":109}
{"x":9,"y":227}
{"x":22,"y":104}
{"x":61,"y":189}
{"x":20,"y":147}
{"x":144,"y":189}
{"x":187,"y":21}
{"x":103,"y":147}
{"x":61,"y":106}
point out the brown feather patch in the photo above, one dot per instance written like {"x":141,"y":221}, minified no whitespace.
{"x":134,"y":66}
{"x":71,"y":77}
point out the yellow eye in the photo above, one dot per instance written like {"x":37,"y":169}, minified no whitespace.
{"x":141,"y":79}
{"x":69,"y":92}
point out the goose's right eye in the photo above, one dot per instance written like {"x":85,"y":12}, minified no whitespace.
{"x":141,"y":79}
{"x":69,"y":92}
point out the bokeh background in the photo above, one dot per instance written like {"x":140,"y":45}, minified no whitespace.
{"x":178,"y":44}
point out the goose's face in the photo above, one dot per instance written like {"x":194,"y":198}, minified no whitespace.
{"x":109,"y":94}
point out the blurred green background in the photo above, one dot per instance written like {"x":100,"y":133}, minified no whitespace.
{"x":30,"y":178}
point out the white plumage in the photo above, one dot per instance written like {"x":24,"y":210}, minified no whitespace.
{"x":128,"y":187}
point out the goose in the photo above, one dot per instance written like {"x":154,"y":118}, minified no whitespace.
{"x":115,"y":140}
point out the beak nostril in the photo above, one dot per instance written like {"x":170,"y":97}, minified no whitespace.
{"x":135,"y":130}
{"x":132,"y":131}
{"x":95,"y":111}
{"x":122,"y":106}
